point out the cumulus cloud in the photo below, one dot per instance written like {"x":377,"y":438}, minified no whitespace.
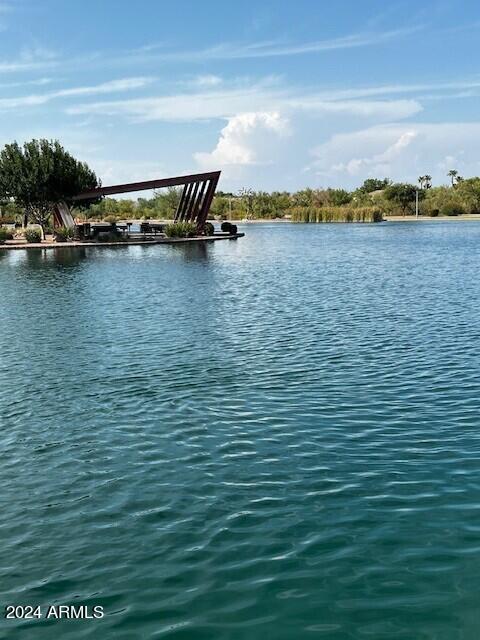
{"x":399,"y":151}
{"x":246,"y":140}
{"x":378,"y":162}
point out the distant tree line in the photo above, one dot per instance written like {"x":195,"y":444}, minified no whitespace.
{"x":391,"y":198}
{"x":35,"y":176}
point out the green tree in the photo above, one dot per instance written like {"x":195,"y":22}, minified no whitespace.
{"x":165,"y":202}
{"x":374,"y":184}
{"x":437,"y":198}
{"x":248,"y":198}
{"x":425,"y":181}
{"x":452,"y":174}
{"x":338,"y":197}
{"x":303,"y":198}
{"x":263,"y":205}
{"x":403,"y":195}
{"x":219,"y":206}
{"x":41,"y":174}
{"x":282,"y":202}
{"x":469,"y":192}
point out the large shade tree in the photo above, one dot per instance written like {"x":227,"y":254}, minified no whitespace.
{"x":41,"y":174}
{"x":403,"y":195}
{"x":374,"y":184}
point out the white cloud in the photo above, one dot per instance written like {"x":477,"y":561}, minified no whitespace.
{"x":30,"y":60}
{"x":124,"y":84}
{"x":246,"y":140}
{"x":26,"y":83}
{"x":378,"y":162}
{"x":399,"y":89}
{"x":121,"y":171}
{"x":208,"y":80}
{"x":379,"y":109}
{"x":5,"y":9}
{"x":260,"y":50}
{"x":229,"y":102}
{"x":269,"y":49}
{"x":181,"y":107}
{"x":399,"y":151}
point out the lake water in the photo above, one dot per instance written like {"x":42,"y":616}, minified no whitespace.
{"x":275,"y":437}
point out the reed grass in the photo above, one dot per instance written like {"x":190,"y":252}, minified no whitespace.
{"x":336,"y":214}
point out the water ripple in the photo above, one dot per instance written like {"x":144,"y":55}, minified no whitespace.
{"x":270,"y":438}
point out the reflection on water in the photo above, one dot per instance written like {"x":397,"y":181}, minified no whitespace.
{"x":275,"y":437}
{"x":192,"y":252}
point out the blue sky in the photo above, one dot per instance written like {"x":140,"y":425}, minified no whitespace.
{"x":278,"y":95}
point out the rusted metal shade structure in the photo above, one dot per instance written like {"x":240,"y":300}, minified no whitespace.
{"x":195,"y":200}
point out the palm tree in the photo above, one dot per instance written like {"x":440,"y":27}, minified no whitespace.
{"x":452,"y":174}
{"x":428,"y":181}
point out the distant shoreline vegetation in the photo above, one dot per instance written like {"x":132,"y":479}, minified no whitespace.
{"x":336,"y":214}
{"x":371,"y":202}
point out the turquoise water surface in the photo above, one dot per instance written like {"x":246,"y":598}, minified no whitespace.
{"x":274,"y":438}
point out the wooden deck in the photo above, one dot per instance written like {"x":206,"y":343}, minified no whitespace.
{"x":49,"y":244}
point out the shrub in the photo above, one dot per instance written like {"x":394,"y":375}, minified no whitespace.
{"x":62,"y":234}
{"x":452,"y":209}
{"x":209,"y":229}
{"x":33,"y":235}
{"x":5,"y":234}
{"x":226,"y":227}
{"x":111,"y":219}
{"x":434,"y":213}
{"x":443,"y":199}
{"x":181,"y":230}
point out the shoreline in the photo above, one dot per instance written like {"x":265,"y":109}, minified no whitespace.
{"x":412,"y":218}
{"x":467,"y":217}
{"x":11,"y":245}
{"x":464,"y":218}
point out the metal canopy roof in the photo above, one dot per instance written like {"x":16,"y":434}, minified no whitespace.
{"x":195,"y":201}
